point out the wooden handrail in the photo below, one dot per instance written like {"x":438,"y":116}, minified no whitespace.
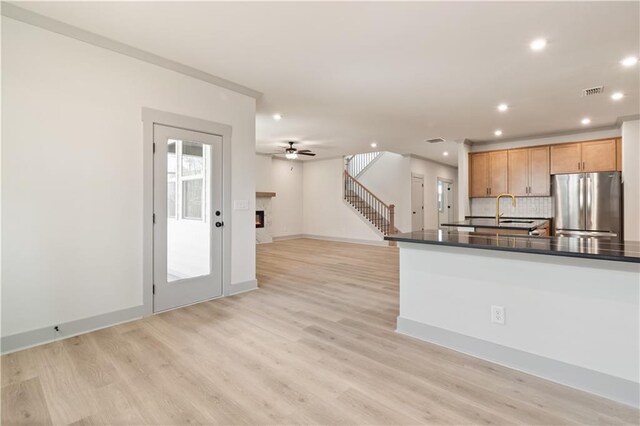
{"x":354,"y":180}
{"x":381,"y":215}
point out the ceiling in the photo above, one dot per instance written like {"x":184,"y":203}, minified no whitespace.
{"x":344,"y":75}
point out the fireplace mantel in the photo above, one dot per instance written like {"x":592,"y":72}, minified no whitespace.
{"x":265,"y":194}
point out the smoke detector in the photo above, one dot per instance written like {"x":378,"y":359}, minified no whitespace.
{"x":592,"y":91}
{"x":435,"y":140}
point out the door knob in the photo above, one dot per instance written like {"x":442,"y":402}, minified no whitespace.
{"x":219,"y":224}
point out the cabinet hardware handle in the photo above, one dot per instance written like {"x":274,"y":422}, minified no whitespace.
{"x":583,"y":167}
{"x":578,"y":165}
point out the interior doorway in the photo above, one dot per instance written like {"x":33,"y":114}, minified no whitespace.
{"x":417,"y":202}
{"x":445,"y":201}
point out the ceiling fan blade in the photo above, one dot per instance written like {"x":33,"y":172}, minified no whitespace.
{"x":304,"y":150}
{"x":306,"y":153}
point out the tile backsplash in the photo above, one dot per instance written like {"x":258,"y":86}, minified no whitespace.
{"x":525,"y":207}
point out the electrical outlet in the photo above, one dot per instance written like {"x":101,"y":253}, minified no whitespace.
{"x":497,"y":314}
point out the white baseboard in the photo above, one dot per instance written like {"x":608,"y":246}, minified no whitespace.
{"x":381,"y":242}
{"x":40,"y":336}
{"x":288,"y":237}
{"x":601,"y":384}
{"x":242,"y":287}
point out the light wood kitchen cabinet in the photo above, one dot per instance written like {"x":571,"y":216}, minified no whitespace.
{"x":528,"y":172}
{"x":599,"y":156}
{"x":539,"y":172}
{"x":479,"y":175}
{"x":619,"y":154}
{"x":488,"y":173}
{"x":518,"y":166}
{"x":566,"y":158}
{"x":592,"y":156}
{"x":498,"y":172}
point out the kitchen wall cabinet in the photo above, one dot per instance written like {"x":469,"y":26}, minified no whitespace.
{"x":479,"y":175}
{"x":566,"y":158}
{"x":599,"y":156}
{"x":592,"y":156}
{"x":498,"y":180}
{"x":619,"y":154}
{"x":528,"y":172}
{"x":488,"y":175}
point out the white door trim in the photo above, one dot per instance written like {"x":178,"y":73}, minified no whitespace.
{"x":149,"y":118}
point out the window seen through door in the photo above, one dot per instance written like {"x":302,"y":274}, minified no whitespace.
{"x":186,"y":181}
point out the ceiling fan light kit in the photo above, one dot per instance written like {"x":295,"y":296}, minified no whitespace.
{"x":292,"y":153}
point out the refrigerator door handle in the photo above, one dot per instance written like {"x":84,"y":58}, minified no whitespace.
{"x":588,"y":206}
{"x":581,"y":195}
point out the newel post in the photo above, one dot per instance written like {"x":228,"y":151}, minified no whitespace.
{"x":392,"y":222}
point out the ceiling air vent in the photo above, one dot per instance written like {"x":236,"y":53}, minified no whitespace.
{"x":435,"y":140}
{"x":592,"y":91}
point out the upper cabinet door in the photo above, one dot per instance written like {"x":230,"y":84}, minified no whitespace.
{"x":539,"y":177}
{"x":566,"y":158}
{"x":599,"y":156}
{"x":518,"y":171}
{"x":498,"y":171}
{"x":479,"y":175}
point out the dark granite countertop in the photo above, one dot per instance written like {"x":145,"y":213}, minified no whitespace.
{"x":505,"y":223}
{"x":590,"y":248}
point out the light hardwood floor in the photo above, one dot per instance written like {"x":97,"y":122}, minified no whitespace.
{"x":315,"y":345}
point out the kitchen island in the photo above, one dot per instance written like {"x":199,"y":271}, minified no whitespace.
{"x":562,"y":308}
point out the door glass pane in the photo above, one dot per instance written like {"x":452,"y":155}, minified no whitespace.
{"x":189,"y":226}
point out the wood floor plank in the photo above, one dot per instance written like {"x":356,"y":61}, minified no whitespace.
{"x":23,"y":403}
{"x":316,"y":344}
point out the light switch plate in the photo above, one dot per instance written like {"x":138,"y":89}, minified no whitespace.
{"x":241,"y":204}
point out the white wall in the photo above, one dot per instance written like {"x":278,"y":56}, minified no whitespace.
{"x":389,"y":178}
{"x":631,"y":177}
{"x":326,"y":213}
{"x":464,"y":208}
{"x":431,"y":172}
{"x":72,"y":174}
{"x":287,"y":177}
{"x":264,"y":181}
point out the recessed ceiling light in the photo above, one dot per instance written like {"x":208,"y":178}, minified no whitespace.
{"x":503,"y":107}
{"x":373,"y":144}
{"x":498,"y":133}
{"x":586,"y":121}
{"x":629,"y":61}
{"x":538,"y":44}
{"x":277,"y":117}
{"x":617,"y":96}
{"x":445,"y":153}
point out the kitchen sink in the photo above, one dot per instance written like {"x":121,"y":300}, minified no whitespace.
{"x":516,"y":221}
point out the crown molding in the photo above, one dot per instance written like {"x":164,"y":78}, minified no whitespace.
{"x":28,"y":17}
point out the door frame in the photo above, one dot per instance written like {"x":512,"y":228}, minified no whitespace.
{"x":453,"y":197}
{"x":150,"y":117}
{"x":421,"y":177}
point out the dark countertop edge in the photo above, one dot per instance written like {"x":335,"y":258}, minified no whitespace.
{"x":509,"y":217}
{"x":625,"y":259}
{"x":511,"y":226}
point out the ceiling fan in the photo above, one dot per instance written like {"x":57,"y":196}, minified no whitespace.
{"x":292,"y":153}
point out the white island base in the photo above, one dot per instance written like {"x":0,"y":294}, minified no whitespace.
{"x":570,"y":320}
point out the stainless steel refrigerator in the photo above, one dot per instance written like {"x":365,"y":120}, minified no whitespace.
{"x":588,"y":204}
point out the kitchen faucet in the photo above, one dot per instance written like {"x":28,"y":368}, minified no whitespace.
{"x":513,"y":203}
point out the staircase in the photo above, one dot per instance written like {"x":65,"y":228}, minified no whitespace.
{"x":358,"y":163}
{"x":381,"y":215}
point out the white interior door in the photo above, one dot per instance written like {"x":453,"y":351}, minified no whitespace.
{"x":417,"y":203}
{"x":446,"y":201}
{"x":187,"y":246}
